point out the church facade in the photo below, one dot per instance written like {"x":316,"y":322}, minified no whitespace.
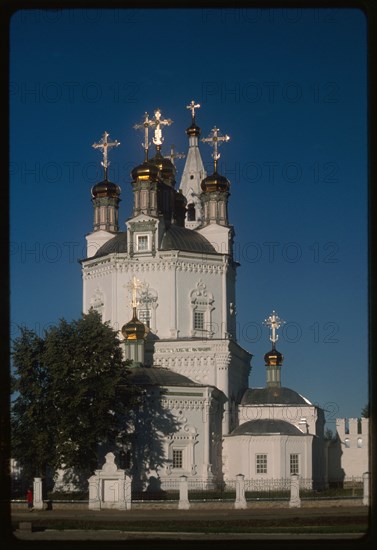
{"x":167,"y":282}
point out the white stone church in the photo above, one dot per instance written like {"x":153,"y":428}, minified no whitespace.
{"x":167,"y":281}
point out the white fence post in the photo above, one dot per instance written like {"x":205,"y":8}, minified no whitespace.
{"x":366,"y":488}
{"x":295,"y":501}
{"x":127,"y":493}
{"x":94,"y":500}
{"x":183,"y":503}
{"x":240,"y":502}
{"x":37,"y":494}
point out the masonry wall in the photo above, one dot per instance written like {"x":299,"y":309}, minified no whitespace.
{"x":349,"y":453}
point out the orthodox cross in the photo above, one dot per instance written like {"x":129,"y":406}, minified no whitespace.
{"x":274,"y":322}
{"x":146,"y":124}
{"x":158,"y":122}
{"x":192,"y":107}
{"x":133,"y":286}
{"x":173,"y":155}
{"x":214,"y":140}
{"x":104,"y":144}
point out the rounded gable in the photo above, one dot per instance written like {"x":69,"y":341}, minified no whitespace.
{"x":181,"y":238}
{"x":115,"y":245}
{"x":273,"y":396}
{"x":267,"y":427}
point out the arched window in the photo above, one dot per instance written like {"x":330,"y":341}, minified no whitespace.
{"x":191,"y":212}
{"x":201,"y":306}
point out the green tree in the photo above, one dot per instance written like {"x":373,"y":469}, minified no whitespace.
{"x":84,"y":398}
{"x":31,"y":427}
{"x":365,"y":411}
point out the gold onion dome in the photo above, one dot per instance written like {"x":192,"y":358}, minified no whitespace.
{"x":214,"y":183}
{"x":273,"y":358}
{"x":134,"y":329}
{"x":164,"y":166}
{"x":145,"y":171}
{"x":105,"y":189}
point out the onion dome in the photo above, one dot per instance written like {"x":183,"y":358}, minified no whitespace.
{"x":214,"y":183}
{"x":273,"y":358}
{"x":193,"y":130}
{"x":134,"y":329}
{"x":145,"y":171}
{"x":165,"y":167}
{"x":105,"y":189}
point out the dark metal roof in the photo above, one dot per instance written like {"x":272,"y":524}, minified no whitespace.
{"x":266,"y":426}
{"x":181,"y":238}
{"x":175,"y":238}
{"x":116,"y":244}
{"x":273,"y":396}
{"x":157,"y":376}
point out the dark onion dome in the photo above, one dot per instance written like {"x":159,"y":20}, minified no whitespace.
{"x":134,"y":329}
{"x":215,"y":183}
{"x":145,"y":171}
{"x":189,"y":240}
{"x":158,"y":376}
{"x":193,"y":130}
{"x":273,"y":358}
{"x":273,"y":396}
{"x":105,"y":189}
{"x":164,"y":166}
{"x":267,"y":426}
{"x":117,"y":244}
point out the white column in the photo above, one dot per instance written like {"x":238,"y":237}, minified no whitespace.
{"x":173,"y":301}
{"x":240,"y":502}
{"x":206,"y":436}
{"x":224,"y":316}
{"x":37,"y":494}
{"x":295,"y":501}
{"x":366,"y":488}
{"x":183,"y":503}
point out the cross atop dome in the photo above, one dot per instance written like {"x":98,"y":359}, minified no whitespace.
{"x":146,"y":124}
{"x":215,"y":139}
{"x":104,"y":144}
{"x":158,"y":122}
{"x":173,"y":155}
{"x":192,"y":106}
{"x":274,"y":322}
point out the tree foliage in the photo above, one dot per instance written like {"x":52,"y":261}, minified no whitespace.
{"x":72,"y":396}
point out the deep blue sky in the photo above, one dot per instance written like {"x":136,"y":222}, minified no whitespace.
{"x":288,"y":86}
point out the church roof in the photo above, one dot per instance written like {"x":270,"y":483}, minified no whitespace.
{"x":116,"y":244}
{"x":266,"y":426}
{"x":157,"y":376}
{"x":175,"y":238}
{"x":273,"y":396}
{"x":181,"y":238}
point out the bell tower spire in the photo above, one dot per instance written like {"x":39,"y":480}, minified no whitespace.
{"x":193,"y":173}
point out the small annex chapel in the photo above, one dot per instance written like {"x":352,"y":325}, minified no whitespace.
{"x":167,"y":280}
